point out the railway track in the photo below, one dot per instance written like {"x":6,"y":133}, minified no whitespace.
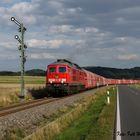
{"x":24,"y":105}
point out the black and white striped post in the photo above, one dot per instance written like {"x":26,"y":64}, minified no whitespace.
{"x":108,"y":98}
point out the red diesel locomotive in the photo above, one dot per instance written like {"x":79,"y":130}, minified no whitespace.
{"x":64,"y":77}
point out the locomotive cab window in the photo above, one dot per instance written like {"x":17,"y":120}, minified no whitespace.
{"x":62,"y":69}
{"x":52,"y":69}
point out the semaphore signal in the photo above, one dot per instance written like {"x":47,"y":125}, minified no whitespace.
{"x":21,"y":48}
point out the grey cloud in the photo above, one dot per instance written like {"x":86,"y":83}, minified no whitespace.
{"x":104,"y":32}
{"x":100,"y":6}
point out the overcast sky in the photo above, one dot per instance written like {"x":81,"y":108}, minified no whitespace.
{"x":87,"y":32}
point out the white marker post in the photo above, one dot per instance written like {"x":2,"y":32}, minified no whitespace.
{"x":108,"y":98}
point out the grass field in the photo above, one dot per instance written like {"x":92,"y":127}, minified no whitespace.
{"x":10,"y":87}
{"x":28,"y":79}
{"x":136,"y":86}
{"x":97,"y":123}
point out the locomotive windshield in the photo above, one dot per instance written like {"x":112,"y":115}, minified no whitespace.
{"x":52,"y":69}
{"x":62,"y":69}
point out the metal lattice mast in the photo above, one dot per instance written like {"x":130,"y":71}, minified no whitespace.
{"x":22,"y":48}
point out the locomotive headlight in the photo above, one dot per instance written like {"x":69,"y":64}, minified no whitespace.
{"x":63,"y":80}
{"x":51,"y":80}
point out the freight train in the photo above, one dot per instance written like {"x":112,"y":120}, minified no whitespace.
{"x":64,"y":77}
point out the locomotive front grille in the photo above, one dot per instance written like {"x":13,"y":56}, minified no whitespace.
{"x":55,"y":80}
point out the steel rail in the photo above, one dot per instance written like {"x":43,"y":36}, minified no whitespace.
{"x":23,"y":106}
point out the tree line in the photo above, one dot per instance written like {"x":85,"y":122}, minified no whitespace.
{"x":114,"y":73}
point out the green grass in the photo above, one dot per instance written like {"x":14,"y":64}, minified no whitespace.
{"x":28,"y":79}
{"x":51,"y":129}
{"x":97,"y":123}
{"x":137,"y":86}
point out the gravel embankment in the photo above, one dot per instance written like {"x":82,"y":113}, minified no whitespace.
{"x":27,"y":119}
